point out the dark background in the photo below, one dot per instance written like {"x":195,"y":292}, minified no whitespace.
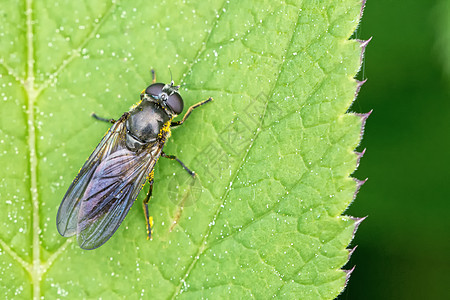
{"x":404,"y":245}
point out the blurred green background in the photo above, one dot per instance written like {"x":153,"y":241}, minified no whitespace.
{"x":404,"y":244}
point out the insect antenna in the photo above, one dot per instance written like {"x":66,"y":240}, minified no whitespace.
{"x":171,"y":80}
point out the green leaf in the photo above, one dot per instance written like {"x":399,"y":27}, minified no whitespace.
{"x":273,"y":153}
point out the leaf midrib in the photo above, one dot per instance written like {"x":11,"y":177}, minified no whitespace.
{"x":31,"y":142}
{"x":38,"y":268}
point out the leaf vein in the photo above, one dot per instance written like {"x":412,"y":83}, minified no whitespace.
{"x":205,"y":236}
{"x":27,"y":266}
{"x":76,"y":52}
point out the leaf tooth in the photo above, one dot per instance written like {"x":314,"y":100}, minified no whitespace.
{"x":365,"y":115}
{"x":347,"y":277}
{"x":358,"y":222}
{"x":348,"y":273}
{"x":364,"y":118}
{"x":359,"y":156}
{"x":351,"y":251}
{"x":363,"y":45}
{"x":359,"y":83}
{"x":359,"y":184}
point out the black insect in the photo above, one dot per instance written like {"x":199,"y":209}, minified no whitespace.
{"x":109,"y":182}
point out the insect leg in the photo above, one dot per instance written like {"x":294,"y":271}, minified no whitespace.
{"x":148,"y":219}
{"x":173,"y":157}
{"x":94,"y":115}
{"x":103,"y":119}
{"x":176,"y":123}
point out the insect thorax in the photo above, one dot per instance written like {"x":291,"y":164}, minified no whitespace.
{"x":145,"y":124}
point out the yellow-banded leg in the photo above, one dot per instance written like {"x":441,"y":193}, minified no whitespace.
{"x":148,"y":218}
{"x":176,"y":123}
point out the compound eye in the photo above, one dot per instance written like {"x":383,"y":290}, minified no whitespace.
{"x":175,"y":102}
{"x":154,"y":89}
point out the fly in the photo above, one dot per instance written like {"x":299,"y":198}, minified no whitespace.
{"x":110,"y":180}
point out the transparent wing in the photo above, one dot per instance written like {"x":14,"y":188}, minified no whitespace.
{"x":67,"y":217}
{"x":111,"y":192}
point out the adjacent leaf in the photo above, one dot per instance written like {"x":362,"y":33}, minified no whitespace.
{"x":273,"y":152}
